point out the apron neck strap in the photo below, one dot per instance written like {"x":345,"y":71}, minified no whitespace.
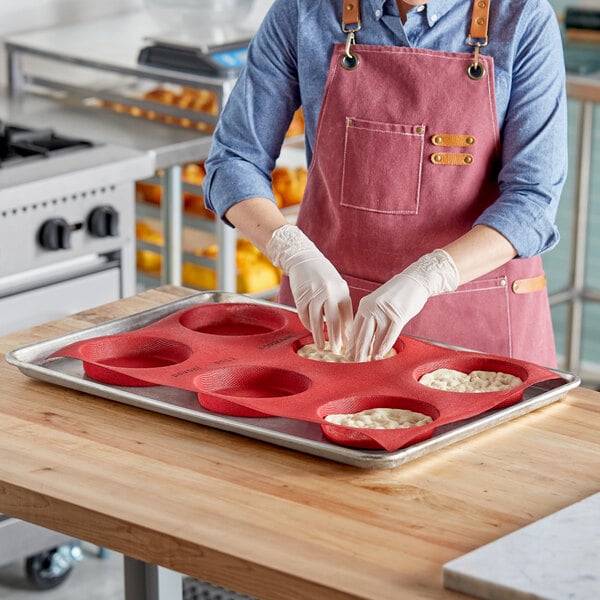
{"x":350,"y":16}
{"x":350,"y":25}
{"x":478,"y":35}
{"x":479,"y":20}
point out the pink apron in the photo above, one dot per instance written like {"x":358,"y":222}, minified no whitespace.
{"x":406,"y":158}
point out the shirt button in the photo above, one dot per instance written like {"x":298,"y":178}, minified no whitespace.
{"x":420,"y":8}
{"x":377,"y":13}
{"x":434,"y":18}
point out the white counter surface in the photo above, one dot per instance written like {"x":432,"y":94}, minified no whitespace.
{"x":555,"y":558}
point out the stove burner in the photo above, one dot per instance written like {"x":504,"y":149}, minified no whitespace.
{"x":18,"y":144}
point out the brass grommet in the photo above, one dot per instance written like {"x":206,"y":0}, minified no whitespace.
{"x":350,"y":62}
{"x":349,"y":6}
{"x":470,"y":141}
{"x":437,"y":139}
{"x":476,"y":71}
{"x":480,"y":21}
{"x":468,"y":160}
{"x":437,"y":158}
{"x":419,"y":130}
{"x":350,"y":122}
{"x":481,"y":4}
{"x":502,"y":282}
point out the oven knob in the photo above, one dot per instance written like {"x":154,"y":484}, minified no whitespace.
{"x":55,"y":234}
{"x":104,"y":221}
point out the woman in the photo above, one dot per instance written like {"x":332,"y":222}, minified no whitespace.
{"x":436,"y":144}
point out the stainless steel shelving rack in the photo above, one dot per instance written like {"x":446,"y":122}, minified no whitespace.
{"x":586,"y":91}
{"x":103,"y":55}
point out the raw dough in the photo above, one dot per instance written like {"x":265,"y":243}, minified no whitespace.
{"x":311,"y":351}
{"x":475,"y":381}
{"x":380,"y":418}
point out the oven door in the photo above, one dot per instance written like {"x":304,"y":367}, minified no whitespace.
{"x":42,"y":295}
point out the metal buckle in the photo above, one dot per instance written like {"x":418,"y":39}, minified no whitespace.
{"x":350,"y":61}
{"x":351,"y":27}
{"x":476,"y":70}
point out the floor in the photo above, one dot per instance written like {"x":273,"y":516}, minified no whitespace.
{"x":92,"y":578}
{"x":98,"y":576}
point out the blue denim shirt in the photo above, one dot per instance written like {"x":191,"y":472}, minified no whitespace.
{"x":287,"y":66}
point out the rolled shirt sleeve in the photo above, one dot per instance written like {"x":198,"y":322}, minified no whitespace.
{"x":534,"y":138}
{"x":255,"y":119}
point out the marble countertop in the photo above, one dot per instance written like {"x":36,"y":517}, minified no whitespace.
{"x":555,"y":558}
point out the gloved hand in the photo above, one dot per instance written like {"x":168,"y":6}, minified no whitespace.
{"x":382,"y":314}
{"x":318,"y":289}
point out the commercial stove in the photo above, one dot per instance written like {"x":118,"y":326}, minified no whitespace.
{"x":67,"y":243}
{"x":67,"y":223}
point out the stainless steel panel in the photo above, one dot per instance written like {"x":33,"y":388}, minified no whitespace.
{"x":59,"y":299}
{"x":289,"y":433}
{"x":20,"y":540}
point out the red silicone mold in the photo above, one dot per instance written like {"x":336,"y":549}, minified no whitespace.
{"x":241,"y":359}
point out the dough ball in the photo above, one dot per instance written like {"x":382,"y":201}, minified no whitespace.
{"x":476,"y":381}
{"x":380,"y":418}
{"x":311,"y":351}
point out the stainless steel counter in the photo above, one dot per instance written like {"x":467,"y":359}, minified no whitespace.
{"x":170,"y":145}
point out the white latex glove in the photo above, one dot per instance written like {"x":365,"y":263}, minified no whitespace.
{"x":382,"y":314}
{"x":318,"y":289}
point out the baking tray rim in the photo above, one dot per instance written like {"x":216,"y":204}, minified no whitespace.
{"x":30,"y":361}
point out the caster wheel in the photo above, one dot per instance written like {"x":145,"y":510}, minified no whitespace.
{"x":50,"y":568}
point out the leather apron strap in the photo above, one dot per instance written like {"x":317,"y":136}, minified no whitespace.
{"x":351,"y":16}
{"x":479,"y":20}
{"x":478,"y":34}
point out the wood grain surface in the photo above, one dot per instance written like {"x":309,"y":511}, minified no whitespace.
{"x":269,"y":522}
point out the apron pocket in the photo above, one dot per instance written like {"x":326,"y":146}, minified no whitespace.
{"x":382,"y":166}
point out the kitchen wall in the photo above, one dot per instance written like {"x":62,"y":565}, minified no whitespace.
{"x":26,"y":15}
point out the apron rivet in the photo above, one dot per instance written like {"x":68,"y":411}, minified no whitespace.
{"x":503,"y":282}
{"x":437,"y":139}
{"x":419,"y":130}
{"x":437,"y":157}
{"x":480,"y":21}
{"x":470,"y":141}
{"x":481,"y":4}
{"x":468,"y":160}
{"x":349,"y":6}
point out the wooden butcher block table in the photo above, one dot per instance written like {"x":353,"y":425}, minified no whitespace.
{"x":266,"y":521}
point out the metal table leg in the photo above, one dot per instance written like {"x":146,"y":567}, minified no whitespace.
{"x":582,"y":195}
{"x":226,"y":261}
{"x":172,"y":218}
{"x":151,"y":582}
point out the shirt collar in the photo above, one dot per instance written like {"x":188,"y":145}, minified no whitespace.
{"x":435,"y":8}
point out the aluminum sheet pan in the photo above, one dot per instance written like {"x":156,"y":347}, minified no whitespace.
{"x":288,"y":433}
